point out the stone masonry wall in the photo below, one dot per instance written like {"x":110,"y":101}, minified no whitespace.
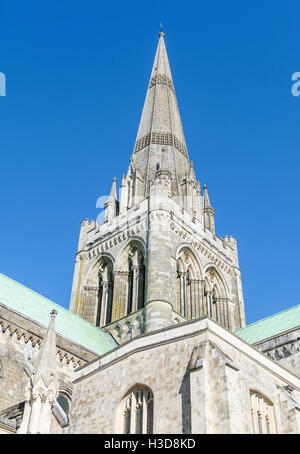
{"x":19,"y":336}
{"x":214,"y":398}
{"x":284,"y":348}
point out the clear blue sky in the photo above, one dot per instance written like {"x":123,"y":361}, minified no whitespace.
{"x":77,"y":74}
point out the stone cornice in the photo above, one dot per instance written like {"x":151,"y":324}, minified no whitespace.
{"x":22,"y":336}
{"x":116,"y":238}
{"x":7,"y":424}
{"x":200,"y":246}
{"x":184,"y":331}
{"x":120,"y":237}
{"x":13,"y":324}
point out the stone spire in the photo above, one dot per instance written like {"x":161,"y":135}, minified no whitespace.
{"x":42,"y":386}
{"x":206,"y":201}
{"x":113,"y":192}
{"x":45,"y":366}
{"x":160,"y":127}
{"x":208,"y":212}
{"x":112,"y":206}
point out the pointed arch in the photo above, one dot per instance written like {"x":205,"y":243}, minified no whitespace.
{"x":188,"y":283}
{"x":137,"y":326}
{"x":189,"y":248}
{"x":128,"y":330}
{"x":130,"y":273}
{"x":135,"y":411}
{"x":133,"y":242}
{"x":223,"y":286}
{"x":64,"y":400}
{"x":117,"y":333}
{"x":97,"y":292}
{"x":105,"y":291}
{"x":215,"y":296}
{"x":262,"y":412}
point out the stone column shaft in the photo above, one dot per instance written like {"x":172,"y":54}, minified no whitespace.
{"x":158,"y":310}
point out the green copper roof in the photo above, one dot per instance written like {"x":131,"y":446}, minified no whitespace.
{"x":270,"y":326}
{"x":29,"y":303}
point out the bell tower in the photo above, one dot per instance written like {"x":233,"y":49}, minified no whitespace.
{"x":156,"y":260}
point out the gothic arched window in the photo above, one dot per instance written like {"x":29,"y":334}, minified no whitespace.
{"x":136,"y":280}
{"x":137,"y":412}
{"x":188,"y":285}
{"x":105,"y":292}
{"x":64,"y":402}
{"x":263,"y":416}
{"x":215,"y":299}
{"x":129,"y":280}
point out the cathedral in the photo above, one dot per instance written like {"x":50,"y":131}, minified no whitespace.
{"x":155,"y":339}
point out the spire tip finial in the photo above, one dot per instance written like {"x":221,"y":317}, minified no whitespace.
{"x":161,"y":31}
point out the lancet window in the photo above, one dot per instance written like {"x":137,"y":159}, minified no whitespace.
{"x":216,"y":305}
{"x":263,"y":416}
{"x":105,"y":293}
{"x":137,"y":412}
{"x":188,"y":285}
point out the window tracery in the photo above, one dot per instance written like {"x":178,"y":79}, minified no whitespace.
{"x":263,"y":416}
{"x":137,"y":412}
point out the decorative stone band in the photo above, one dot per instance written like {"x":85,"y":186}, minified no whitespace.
{"x":282,"y":351}
{"x":22,"y":336}
{"x":160,"y":138}
{"x":189,"y":279}
{"x":89,"y":288}
{"x":127,"y":327}
{"x":142,"y":143}
{"x":162,"y":79}
{"x":7,"y":423}
{"x":141,"y":226}
{"x":203,"y":248}
{"x":121,"y":273}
